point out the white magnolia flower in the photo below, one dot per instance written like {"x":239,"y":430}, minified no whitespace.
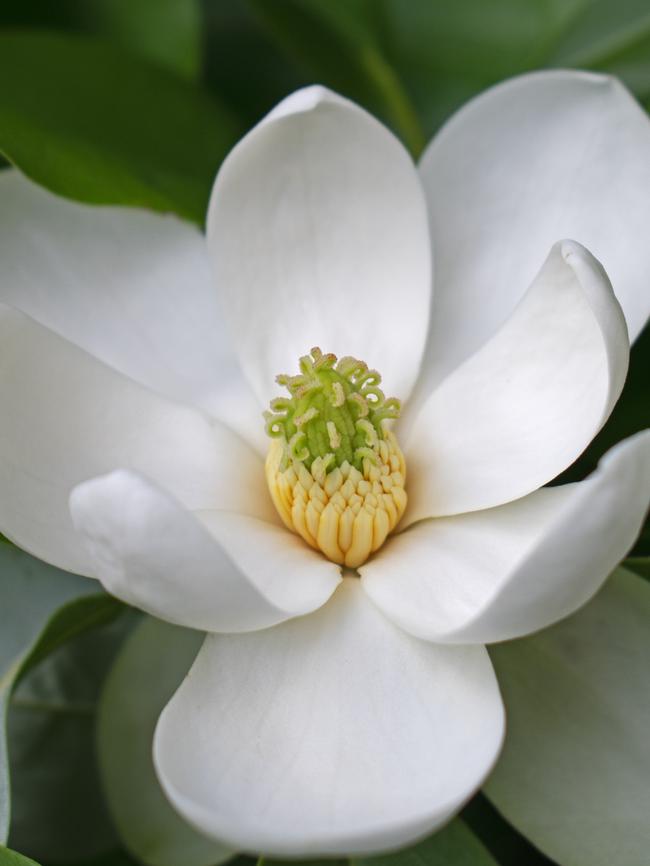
{"x":336,"y":711}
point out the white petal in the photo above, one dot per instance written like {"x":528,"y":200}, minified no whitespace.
{"x":150,"y":666}
{"x":131,"y":287}
{"x":335,"y":733}
{"x":225,"y":572}
{"x":318,"y":234}
{"x":67,"y":417}
{"x":544,"y":156}
{"x":521,"y":409}
{"x":508,"y":571}
{"x":574,"y":773}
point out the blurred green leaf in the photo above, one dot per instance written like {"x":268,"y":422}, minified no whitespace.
{"x":233,"y":34}
{"x":165,"y":31}
{"x":58,"y":810}
{"x":447,"y":52}
{"x":336,"y":43}
{"x":115,"y":857}
{"x":454,"y":845}
{"x":415,"y":63}
{"x":30,"y":592}
{"x":611,"y":37}
{"x":92,"y":123}
{"x":147,"y":672}
{"x":505,"y":843}
{"x":12,"y":858}
{"x":44,"y":607}
{"x":573,"y":776}
{"x":640,"y":565}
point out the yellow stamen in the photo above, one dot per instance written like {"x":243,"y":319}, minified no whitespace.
{"x":347,"y":514}
{"x":335,"y":473}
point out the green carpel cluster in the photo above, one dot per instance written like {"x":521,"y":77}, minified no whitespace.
{"x":335,"y":411}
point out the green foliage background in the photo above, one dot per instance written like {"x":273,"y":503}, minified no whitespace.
{"x":136,"y":102}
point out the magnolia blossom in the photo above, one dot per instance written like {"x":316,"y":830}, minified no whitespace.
{"x":340,"y":702}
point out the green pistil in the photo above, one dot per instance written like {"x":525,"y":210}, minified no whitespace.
{"x":335,"y":411}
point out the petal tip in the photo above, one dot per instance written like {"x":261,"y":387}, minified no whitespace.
{"x":303,"y":101}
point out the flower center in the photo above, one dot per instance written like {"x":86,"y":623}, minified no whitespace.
{"x":335,"y":473}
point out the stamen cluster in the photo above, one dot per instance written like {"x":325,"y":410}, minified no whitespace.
{"x":335,"y":473}
{"x":335,"y":412}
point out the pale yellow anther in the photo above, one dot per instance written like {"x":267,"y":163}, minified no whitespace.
{"x":309,"y":415}
{"x":347,"y":518}
{"x":338,"y":395}
{"x":333,"y":435}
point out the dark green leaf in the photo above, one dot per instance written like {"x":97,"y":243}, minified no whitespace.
{"x":146,"y":673}
{"x":51,"y":735}
{"x":505,"y":843}
{"x":232,"y":34}
{"x":92,"y":123}
{"x":610,"y":37}
{"x":573,"y":775}
{"x":43,"y":607}
{"x":12,"y":858}
{"x":115,"y":857}
{"x":447,"y":52}
{"x":639,"y":565}
{"x":336,"y":44}
{"x":454,"y":845}
{"x":166,"y":31}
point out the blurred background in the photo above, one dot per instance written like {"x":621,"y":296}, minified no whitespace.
{"x":137,"y":102}
{"x":412,"y":63}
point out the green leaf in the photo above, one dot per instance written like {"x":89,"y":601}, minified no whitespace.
{"x":51,"y":735}
{"x":13,"y":858}
{"x":232,"y":31}
{"x":337,"y":43}
{"x":45,"y":607}
{"x":573,"y":776}
{"x":640,"y":565}
{"x":165,"y":31}
{"x":415,"y":63}
{"x":92,"y":123}
{"x":609,"y":37}
{"x":454,"y":845}
{"x":30,"y":592}
{"x":149,"y":669}
{"x":447,"y":52}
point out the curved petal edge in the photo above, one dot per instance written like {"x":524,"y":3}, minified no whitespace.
{"x":335,"y":733}
{"x":505,"y":572}
{"x":214,"y":571}
{"x":520,"y":410}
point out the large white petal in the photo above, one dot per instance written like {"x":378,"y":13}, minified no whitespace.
{"x":336,"y":733}
{"x":574,"y":773}
{"x":149,"y":668}
{"x":545,"y":156}
{"x":219,"y":571}
{"x":508,"y":571}
{"x":520,"y":410}
{"x":131,"y":287}
{"x":67,"y":417}
{"x":317,"y":230}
